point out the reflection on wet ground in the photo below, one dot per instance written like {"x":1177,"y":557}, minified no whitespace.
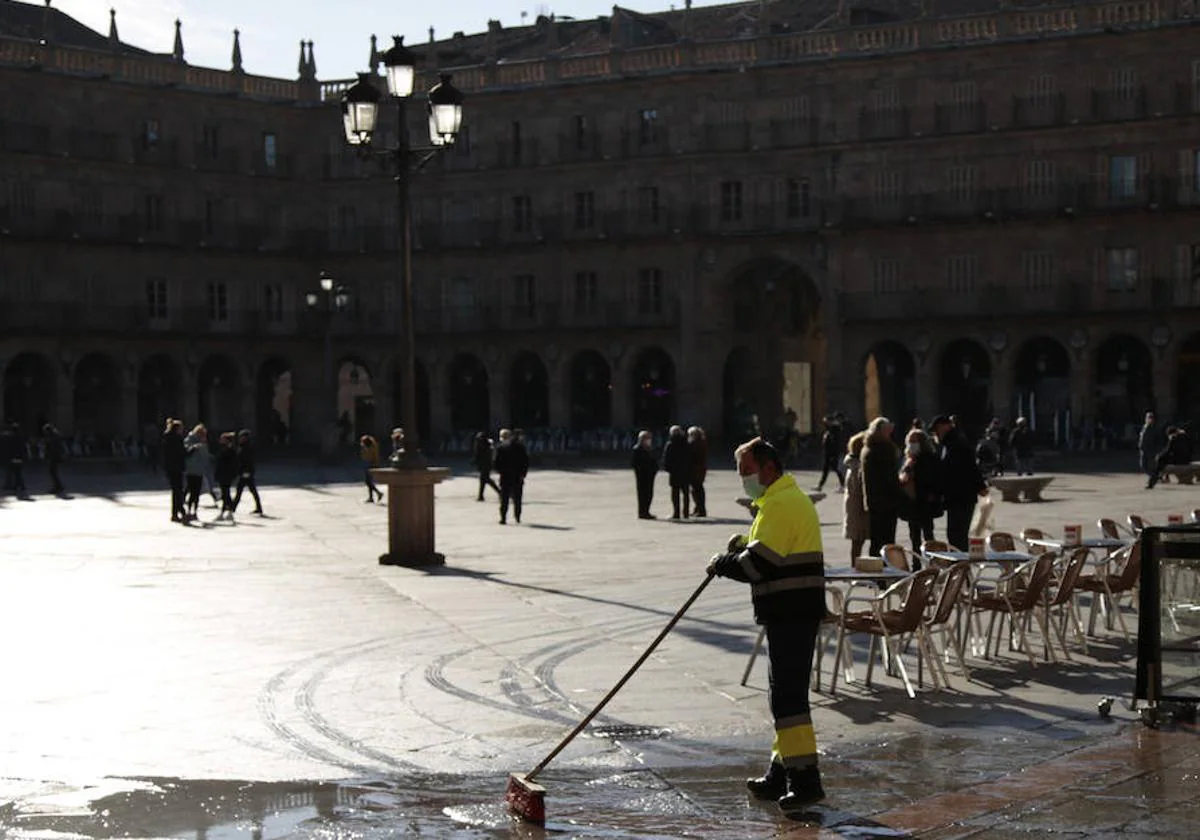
{"x":1138,"y":783}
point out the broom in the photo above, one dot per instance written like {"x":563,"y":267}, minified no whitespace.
{"x":526,"y":798}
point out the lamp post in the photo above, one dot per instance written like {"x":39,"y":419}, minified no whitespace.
{"x":410,"y":480}
{"x":328,"y":302}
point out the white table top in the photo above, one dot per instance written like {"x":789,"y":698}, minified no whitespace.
{"x":989,"y":557}
{"x":888,"y":573}
{"x":1086,"y":542}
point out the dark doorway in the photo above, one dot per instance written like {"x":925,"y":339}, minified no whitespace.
{"x":97,"y":397}
{"x":219,"y":396}
{"x":1043,"y":380}
{"x":1124,"y":385}
{"x":529,"y":393}
{"x":158,"y":394}
{"x":653,"y":390}
{"x":890,"y":385}
{"x":965,"y":384}
{"x":1187,"y":385}
{"x":30,"y":393}
{"x":469,"y":409}
{"x":591,"y":392}
{"x":740,"y":397}
{"x":273,"y":402}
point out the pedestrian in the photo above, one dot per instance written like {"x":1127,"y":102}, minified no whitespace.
{"x":698,"y":449}
{"x":174,"y":459}
{"x":247,"y":471}
{"x":919,"y":481}
{"x":783,"y":560}
{"x":197,"y":464}
{"x":397,"y":453}
{"x":1150,"y":442}
{"x":677,"y":463}
{"x":1020,"y":441}
{"x":645,"y":467}
{"x":881,"y":484}
{"x":831,"y":453}
{"x":1178,"y":450}
{"x":512,"y":464}
{"x":226,"y":472}
{"x":14,"y":459}
{"x":484,"y":455}
{"x":53,"y":445}
{"x":961,"y":482}
{"x":368,"y":451}
{"x":856,"y":526}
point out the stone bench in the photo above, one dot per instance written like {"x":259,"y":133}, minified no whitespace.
{"x":1184,"y":473}
{"x":1029,"y":487}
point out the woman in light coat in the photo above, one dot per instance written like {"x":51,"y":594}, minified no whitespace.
{"x":855,"y":524}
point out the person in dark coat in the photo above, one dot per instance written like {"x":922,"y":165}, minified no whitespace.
{"x":1177,"y":451}
{"x":1150,"y":440}
{"x":13,"y":445}
{"x":484,"y":456}
{"x":174,"y":458}
{"x":512,"y":464}
{"x":698,"y":447}
{"x":881,"y":484}
{"x":962,"y":483}
{"x":645,"y":467}
{"x":832,"y":451}
{"x":919,"y":481}
{"x":1020,"y":441}
{"x":247,"y":471}
{"x":677,"y":463}
{"x":226,"y":472}
{"x":53,"y":445}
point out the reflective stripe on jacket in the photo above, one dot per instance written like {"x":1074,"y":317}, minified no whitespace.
{"x":784,"y":559}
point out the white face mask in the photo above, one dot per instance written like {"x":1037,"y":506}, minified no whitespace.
{"x":914,"y":449}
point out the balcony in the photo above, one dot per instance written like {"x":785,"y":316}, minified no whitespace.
{"x":960,"y":118}
{"x":727,"y":137}
{"x":284,"y":166}
{"x":24,"y":137}
{"x":86,"y":144}
{"x":638,"y":143}
{"x":511,"y":155}
{"x":580,"y":148}
{"x":1039,"y":111}
{"x":887,"y":124}
{"x":788,"y":134}
{"x":657,"y":312}
{"x":1111,"y":104}
{"x":227,"y":160}
{"x":161,"y":153}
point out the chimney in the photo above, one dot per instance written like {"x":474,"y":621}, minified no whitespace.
{"x":177,"y":50}
{"x":431,"y":57}
{"x":237,"y":52}
{"x":490,"y":45}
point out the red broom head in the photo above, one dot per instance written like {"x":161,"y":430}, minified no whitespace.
{"x":526,"y":799}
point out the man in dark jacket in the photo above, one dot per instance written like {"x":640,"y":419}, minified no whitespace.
{"x":247,"y":471}
{"x":53,"y":445}
{"x":832,"y":452}
{"x":962,"y":484}
{"x":174,"y":458}
{"x":484,"y":456}
{"x":512,"y":464}
{"x":1021,"y":443}
{"x":1150,"y":440}
{"x":1177,"y":451}
{"x":645,"y":467}
{"x":677,"y":462}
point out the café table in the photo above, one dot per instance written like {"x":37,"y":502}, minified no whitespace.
{"x":1096,"y":543}
{"x":1003,"y":558}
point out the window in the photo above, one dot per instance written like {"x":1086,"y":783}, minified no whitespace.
{"x":154,"y":213}
{"x":582,"y":132}
{"x":218,"y":302}
{"x":886,"y":186}
{"x":585,"y":210}
{"x":885,"y":100}
{"x":211,"y":143}
{"x":210,"y":216}
{"x":524,"y":295}
{"x":23,"y":196}
{"x":647,"y":127}
{"x":150,"y":134}
{"x":887,"y":275}
{"x":1122,"y":176}
{"x":798,"y":199}
{"x":961,"y":273}
{"x":1042,"y":88}
{"x":270,"y":152}
{"x":1039,"y":269}
{"x":1122,"y":269}
{"x":1041,"y":177}
{"x":586,"y":292}
{"x":1123,"y":81}
{"x":647,"y":205}
{"x":731,"y":201}
{"x":961,"y":181}
{"x":650,"y":292}
{"x":273,"y":303}
{"x":522,"y":214}
{"x":963,"y":95}
{"x":156,"y":299}
{"x":515,"y":135}
{"x":90,"y":203}
{"x":1196,"y":171}
{"x":795,"y":109}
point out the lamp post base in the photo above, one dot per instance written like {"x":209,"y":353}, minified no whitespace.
{"x":411,"y":515}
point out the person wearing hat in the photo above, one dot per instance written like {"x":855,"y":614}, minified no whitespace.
{"x":962,"y":484}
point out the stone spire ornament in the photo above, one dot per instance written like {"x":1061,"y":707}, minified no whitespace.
{"x":237,"y":52}
{"x":114,"y":39}
{"x":312,"y":61}
{"x":177,"y":50}
{"x":373,"y":61}
{"x":302,"y":64}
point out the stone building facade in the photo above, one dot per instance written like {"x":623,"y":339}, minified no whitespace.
{"x":699,"y":215}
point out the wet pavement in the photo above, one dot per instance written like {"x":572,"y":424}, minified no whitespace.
{"x":269,"y":679}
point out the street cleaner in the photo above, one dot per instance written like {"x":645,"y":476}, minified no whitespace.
{"x":783,"y":561}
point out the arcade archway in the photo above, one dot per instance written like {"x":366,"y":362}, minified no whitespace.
{"x":591,"y":391}
{"x":653,"y":389}
{"x":529,"y":392}
{"x":469,"y":398}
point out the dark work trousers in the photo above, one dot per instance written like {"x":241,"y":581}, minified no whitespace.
{"x":485,"y":480}
{"x":834,"y":463}
{"x":698,"y":498}
{"x":919,"y":530}
{"x":511,"y":490}
{"x":226,"y":499}
{"x":247,"y":482}
{"x":645,"y":493}
{"x":175,"y":479}
{"x":883,"y":529}
{"x":191,"y":500}
{"x":56,"y":485}
{"x":790,"y":646}
{"x":679,"y":493}
{"x":958,"y":525}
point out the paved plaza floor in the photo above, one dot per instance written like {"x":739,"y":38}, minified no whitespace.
{"x":268,"y":677}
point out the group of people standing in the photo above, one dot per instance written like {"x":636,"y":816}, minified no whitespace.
{"x":934,"y":475}
{"x":509,"y":460}
{"x":685,"y":461}
{"x":13,"y":451}
{"x":189,"y":461}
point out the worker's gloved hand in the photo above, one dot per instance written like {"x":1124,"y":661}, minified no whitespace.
{"x":737,"y":543}
{"x":719,"y":564}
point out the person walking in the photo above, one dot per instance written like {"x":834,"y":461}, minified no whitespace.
{"x":52,"y":442}
{"x":1150,"y":441}
{"x":831,"y":453}
{"x":174,"y":458}
{"x":881,"y":484}
{"x":961,"y":482}
{"x":1020,"y":441}
{"x":247,"y":471}
{"x":645,"y":467}
{"x":698,"y":449}
{"x":483,"y":455}
{"x":368,"y":451}
{"x":856,"y":526}
{"x":512,"y":464}
{"x":226,"y":472}
{"x":919,"y":481}
{"x":783,"y":560}
{"x":197,"y":465}
{"x":677,"y":463}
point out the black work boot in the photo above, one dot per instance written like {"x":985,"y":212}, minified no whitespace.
{"x":771,"y":786}
{"x":803,"y":789}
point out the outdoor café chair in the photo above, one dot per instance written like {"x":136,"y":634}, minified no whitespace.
{"x":1033,"y":534}
{"x":1017,"y":596}
{"x":942,"y":621}
{"x":1137,"y":524}
{"x":896,"y":556}
{"x":1109,"y":529}
{"x":1107,"y":587}
{"x":1063,"y":605}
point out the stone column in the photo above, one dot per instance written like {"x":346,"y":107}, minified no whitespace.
{"x":63,"y":414}
{"x":128,"y":425}
{"x":1002,"y":387}
{"x":622,"y":397}
{"x":1164,"y":381}
{"x":189,"y":393}
{"x":499,"y":410}
{"x":560,"y":389}
{"x":927,"y":387}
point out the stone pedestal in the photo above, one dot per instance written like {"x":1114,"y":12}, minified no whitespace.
{"x":410,"y":515}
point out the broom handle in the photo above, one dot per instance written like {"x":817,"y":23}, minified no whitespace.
{"x":612,"y":692}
